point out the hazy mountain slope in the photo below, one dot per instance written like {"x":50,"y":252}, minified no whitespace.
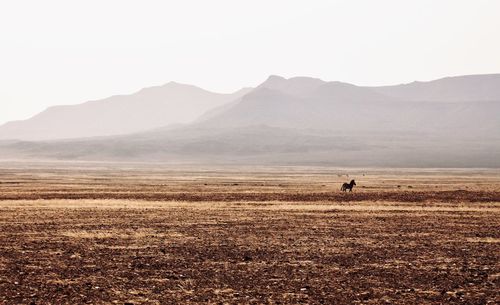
{"x":450,"y":89}
{"x":149,"y":108}
{"x":337,"y":106}
{"x":308,"y":121}
{"x":297,"y":86}
{"x":221,"y":109}
{"x":269,"y":145}
{"x":296,"y":103}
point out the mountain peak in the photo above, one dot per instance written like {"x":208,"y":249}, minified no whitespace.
{"x":274,"y":77}
{"x":295,"y":86}
{"x":148,"y":108}
{"x":273,"y":81}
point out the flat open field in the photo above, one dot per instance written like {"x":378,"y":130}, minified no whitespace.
{"x":76,"y":234}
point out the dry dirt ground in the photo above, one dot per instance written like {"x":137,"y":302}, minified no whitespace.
{"x":77,"y":234}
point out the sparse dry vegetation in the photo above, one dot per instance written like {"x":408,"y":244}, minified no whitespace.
{"x":142,"y":235}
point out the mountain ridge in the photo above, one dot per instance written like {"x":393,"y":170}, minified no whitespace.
{"x":477,"y":87}
{"x":305,"y":120}
{"x":148,"y":108}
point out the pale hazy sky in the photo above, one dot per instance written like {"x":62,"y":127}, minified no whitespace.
{"x":67,"y":52}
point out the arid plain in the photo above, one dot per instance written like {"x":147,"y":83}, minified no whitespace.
{"x":145,"y":234}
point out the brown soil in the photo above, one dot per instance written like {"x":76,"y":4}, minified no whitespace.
{"x":222,"y":241}
{"x":397,"y":196}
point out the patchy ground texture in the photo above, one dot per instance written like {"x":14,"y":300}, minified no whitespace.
{"x":139,"y":235}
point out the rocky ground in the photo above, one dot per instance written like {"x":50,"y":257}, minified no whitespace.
{"x":228,"y":237}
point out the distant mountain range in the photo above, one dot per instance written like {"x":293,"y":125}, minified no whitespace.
{"x":450,"y":122}
{"x":306,"y":103}
{"x":153,"y":107}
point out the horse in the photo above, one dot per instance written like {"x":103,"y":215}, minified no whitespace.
{"x":348,"y":186}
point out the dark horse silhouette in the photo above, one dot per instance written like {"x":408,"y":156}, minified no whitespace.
{"x":348,"y":186}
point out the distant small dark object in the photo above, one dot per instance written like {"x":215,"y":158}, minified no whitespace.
{"x":410,"y":187}
{"x":348,"y":186}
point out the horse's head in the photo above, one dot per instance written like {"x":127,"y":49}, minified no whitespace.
{"x":353,"y":182}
